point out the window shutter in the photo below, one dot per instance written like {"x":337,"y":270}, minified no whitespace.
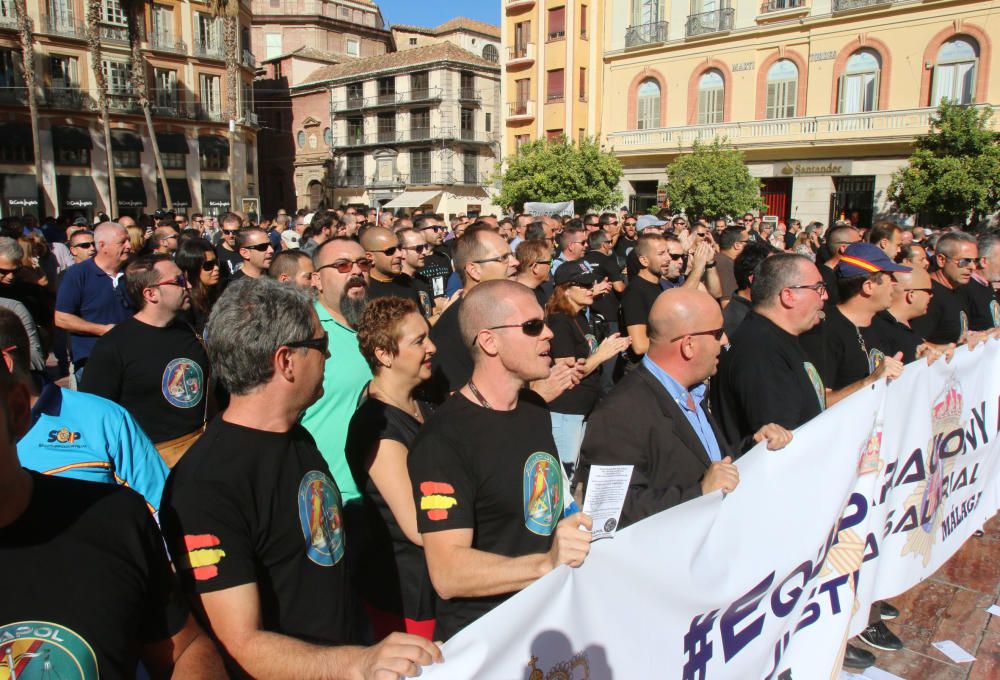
{"x":841,"y":95}
{"x":875,"y":83}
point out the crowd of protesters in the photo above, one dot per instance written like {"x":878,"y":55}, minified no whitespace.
{"x":358,"y":432}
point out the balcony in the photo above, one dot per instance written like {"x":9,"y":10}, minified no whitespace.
{"x":781,"y":5}
{"x":646,"y":34}
{"x":114,"y":34}
{"x":352,"y":180}
{"x":168,"y":109}
{"x":512,"y":5}
{"x":848,"y":5}
{"x":706,"y":23}
{"x":846,"y":128}
{"x":419,"y":134}
{"x":420,"y":94}
{"x":14,"y":95}
{"x":123,"y":102}
{"x":69,"y":98}
{"x":468,"y":94}
{"x":470,"y":177}
{"x":521,"y":55}
{"x":250,"y":118}
{"x":166,"y":43}
{"x":385,"y":98}
{"x":66,"y":27}
{"x":249,"y":60}
{"x":521,"y":111}
{"x":202,"y":112}
{"x":209,"y":50}
{"x":394,"y":181}
{"x":386,"y":136}
{"x":8,"y":19}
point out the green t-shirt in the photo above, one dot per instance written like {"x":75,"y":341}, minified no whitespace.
{"x":346,"y":373}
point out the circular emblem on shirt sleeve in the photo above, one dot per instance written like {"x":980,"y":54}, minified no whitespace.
{"x":543,"y":493}
{"x":319,"y":514}
{"x":183,"y":383}
{"x":39,"y":649}
{"x":995,"y":313}
{"x":817,"y":383}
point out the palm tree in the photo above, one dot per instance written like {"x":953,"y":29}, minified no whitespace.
{"x":136,"y":13}
{"x":94,"y":15}
{"x":25,"y":31}
{"x":229,"y":11}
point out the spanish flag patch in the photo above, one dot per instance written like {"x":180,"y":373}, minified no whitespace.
{"x":436,"y":499}
{"x":203,"y":556}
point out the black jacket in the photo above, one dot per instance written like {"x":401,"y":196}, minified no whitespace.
{"x":639,"y":424}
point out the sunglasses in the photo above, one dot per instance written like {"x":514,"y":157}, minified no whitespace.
{"x":259,"y":247}
{"x":179,"y":280}
{"x":532,"y":327}
{"x":678,"y":256}
{"x":345,"y":266}
{"x":7,"y":272}
{"x":580,"y":284}
{"x":85,"y":244}
{"x":320,"y":344}
{"x":548,"y":262}
{"x":716,"y":333}
{"x":962,"y":261}
{"x":230,"y":231}
{"x":209,"y":265}
{"x":389,"y":252}
{"x":417,"y":249}
{"x":506,"y":257}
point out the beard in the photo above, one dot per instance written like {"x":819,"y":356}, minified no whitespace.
{"x":352,"y":308}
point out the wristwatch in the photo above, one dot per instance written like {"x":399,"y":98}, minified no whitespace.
{"x":709,"y":265}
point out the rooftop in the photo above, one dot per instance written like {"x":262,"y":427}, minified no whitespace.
{"x":313,"y":54}
{"x":427,"y":54}
{"x":456,"y":24}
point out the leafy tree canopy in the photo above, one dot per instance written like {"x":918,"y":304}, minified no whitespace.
{"x":712,"y":181}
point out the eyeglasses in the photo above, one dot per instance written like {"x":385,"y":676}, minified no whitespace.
{"x":929,"y":291}
{"x":85,"y":244}
{"x":548,"y":262}
{"x":179,"y":280}
{"x":962,"y":261}
{"x":532,"y":327}
{"x":209,"y":265}
{"x":259,"y":247}
{"x":818,"y":288}
{"x":230,"y":231}
{"x":435,"y":227}
{"x":389,"y":252}
{"x":630,"y":224}
{"x":506,"y":257}
{"x":575,"y":243}
{"x":417,"y":249}
{"x":345,"y":266}
{"x":678,"y":256}
{"x":717,"y":333}
{"x":198,"y":221}
{"x":320,"y":344}
{"x":8,"y":272}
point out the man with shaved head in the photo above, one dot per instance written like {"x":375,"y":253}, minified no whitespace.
{"x":484,"y":468}
{"x":386,"y":277}
{"x":910,"y":298}
{"x":676,"y":449}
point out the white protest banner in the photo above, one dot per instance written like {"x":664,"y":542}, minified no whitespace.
{"x":562,"y":209}
{"x":770,"y":581}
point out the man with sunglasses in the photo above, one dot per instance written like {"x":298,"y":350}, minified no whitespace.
{"x":415,"y":250}
{"x":493,"y":506}
{"x":82,"y":246}
{"x":165,"y":240}
{"x":627,"y":239}
{"x":386,"y":277}
{"x":981,"y":293}
{"x":254,"y":521}
{"x":229,"y":257}
{"x":947,"y":317}
{"x":437,"y":263}
{"x":675,"y":446}
{"x":153,"y":364}
{"x":256,"y":251}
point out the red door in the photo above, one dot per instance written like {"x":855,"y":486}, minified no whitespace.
{"x":777,"y":196}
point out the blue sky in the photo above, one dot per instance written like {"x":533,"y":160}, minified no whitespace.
{"x":436,"y":12}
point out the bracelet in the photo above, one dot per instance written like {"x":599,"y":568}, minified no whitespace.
{"x":709,"y":265}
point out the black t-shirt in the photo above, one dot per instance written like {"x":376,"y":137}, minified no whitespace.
{"x":230,"y":261}
{"x":830,"y":279}
{"x":637,"y":300}
{"x":764,"y":377}
{"x":947,"y":317}
{"x":437,"y":268}
{"x":159,"y":375}
{"x":394,"y":577}
{"x":402,"y":286}
{"x":624,"y":246}
{"x":890,"y":336}
{"x":452,"y":363}
{"x":87,"y":582}
{"x":734,"y":314}
{"x":983,"y":305}
{"x":543,"y":292}
{"x":574,"y":337}
{"x":249,"y":506}
{"x":842,"y":354}
{"x":605,"y":266}
{"x":495,"y":472}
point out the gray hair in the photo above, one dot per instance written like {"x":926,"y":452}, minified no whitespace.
{"x":252,"y":319}
{"x":948,"y":244}
{"x":11,"y":249}
{"x":773,"y":275}
{"x":988,"y":243}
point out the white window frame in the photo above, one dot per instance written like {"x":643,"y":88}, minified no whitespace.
{"x":858,"y":90}
{"x":165,"y":82}
{"x":162,"y":17}
{"x":113,"y":13}
{"x":782,"y":93}
{"x":711,"y":99}
{"x":210,"y":92}
{"x":272,"y":45}
{"x":648,"y":106}
{"x":352,"y":47}
{"x":955,"y":72}
{"x":117,"y":75}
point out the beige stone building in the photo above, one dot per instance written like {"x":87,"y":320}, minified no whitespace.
{"x":823,"y":96}
{"x":184,"y":62}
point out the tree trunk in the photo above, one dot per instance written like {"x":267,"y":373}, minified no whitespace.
{"x":25,"y":32}
{"x":231,"y":41}
{"x":136,"y":34}
{"x":94,"y":15}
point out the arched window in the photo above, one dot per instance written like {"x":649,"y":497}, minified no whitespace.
{"x":955,"y":72}
{"x":328,"y":136}
{"x":648,"y":105}
{"x":859,"y":83}
{"x":300,"y":139}
{"x":782,"y":90}
{"x":490,"y":53}
{"x":711,"y":97}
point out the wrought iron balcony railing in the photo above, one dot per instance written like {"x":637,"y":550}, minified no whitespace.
{"x":646,"y":34}
{"x":715,"y":21}
{"x":843,"y":5}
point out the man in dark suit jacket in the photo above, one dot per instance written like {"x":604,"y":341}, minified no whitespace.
{"x":653,"y":419}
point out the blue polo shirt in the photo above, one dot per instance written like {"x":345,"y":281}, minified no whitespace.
{"x":83,"y":436}
{"x":697,"y":417}
{"x":88,"y":292}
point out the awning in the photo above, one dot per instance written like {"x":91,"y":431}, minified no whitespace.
{"x":213,"y":144}
{"x":70,"y":137}
{"x":180,"y":192}
{"x":171,"y":142}
{"x":215,"y":194}
{"x":76,"y":191}
{"x":131,"y":192}
{"x":125,"y":140}
{"x":20,"y":190}
{"x":412,"y":199}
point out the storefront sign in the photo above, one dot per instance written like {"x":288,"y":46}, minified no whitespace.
{"x":812,"y":168}
{"x":23,"y":202}
{"x":79,"y":204}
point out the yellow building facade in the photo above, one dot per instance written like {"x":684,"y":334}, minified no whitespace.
{"x":552,"y":79}
{"x":824,"y":97}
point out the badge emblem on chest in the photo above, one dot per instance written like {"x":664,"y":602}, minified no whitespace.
{"x":322,"y":524}
{"x":543,"y":493}
{"x":38,"y":649}
{"x":183,"y":383}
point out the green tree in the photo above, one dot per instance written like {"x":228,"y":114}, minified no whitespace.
{"x":553,"y":171}
{"x":954,"y":172}
{"x":712,"y":181}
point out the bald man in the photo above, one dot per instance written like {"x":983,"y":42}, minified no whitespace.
{"x":890,"y":330}
{"x":485,"y":471}
{"x":386,"y":277}
{"x":677,"y":450}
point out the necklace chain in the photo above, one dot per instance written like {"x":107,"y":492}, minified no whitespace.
{"x":476,"y":393}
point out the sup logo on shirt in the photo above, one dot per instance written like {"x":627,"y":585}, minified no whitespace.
{"x":543,"y":493}
{"x":38,"y":649}
{"x":875,"y":360}
{"x":591,"y":342}
{"x":319,"y":513}
{"x":817,"y":383}
{"x":995,"y":313}
{"x":183,"y":383}
{"x":64,"y":436}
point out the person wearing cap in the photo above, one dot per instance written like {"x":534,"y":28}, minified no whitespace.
{"x":574,"y":337}
{"x":290,"y":240}
{"x":843,"y":356}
